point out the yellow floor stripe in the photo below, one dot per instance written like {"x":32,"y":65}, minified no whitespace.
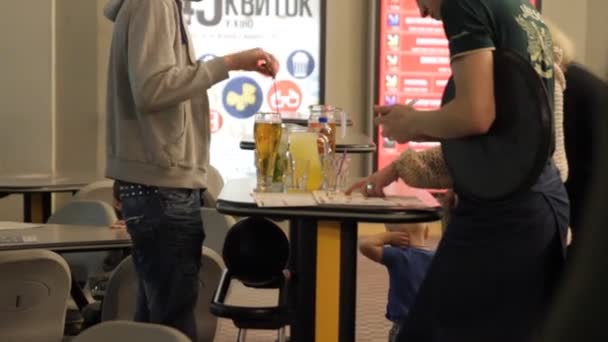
{"x":328,"y":282}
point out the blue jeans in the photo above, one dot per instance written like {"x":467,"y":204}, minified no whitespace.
{"x":167,"y":234}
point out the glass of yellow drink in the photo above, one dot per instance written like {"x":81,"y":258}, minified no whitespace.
{"x":267,"y":136}
{"x":306,"y":159}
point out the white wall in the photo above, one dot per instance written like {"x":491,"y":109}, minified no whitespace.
{"x":585,"y":22}
{"x":76,"y":116}
{"x":26,"y":89}
{"x":104,"y":39}
{"x":26,"y":92}
{"x":571,"y":17}
{"x":347,"y":65}
{"x":597,"y":37}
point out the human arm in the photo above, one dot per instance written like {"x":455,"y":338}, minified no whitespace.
{"x":156,"y":80}
{"x":372,"y":246}
{"x":472,"y":111}
{"x":426,"y":169}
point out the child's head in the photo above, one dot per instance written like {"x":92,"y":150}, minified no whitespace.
{"x":416,"y":231}
{"x":116,"y":203}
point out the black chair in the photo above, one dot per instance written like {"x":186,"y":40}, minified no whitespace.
{"x":256,"y":252}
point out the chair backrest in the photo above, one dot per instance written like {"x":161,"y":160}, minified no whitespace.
{"x":217,"y":226}
{"x":34,"y":289}
{"x":84,"y":212}
{"x":119,"y":300}
{"x":215,"y":183}
{"x":209,"y":277}
{"x":121,"y":293}
{"x":123,"y":331}
{"x":256,"y":251}
{"x":97,"y":191}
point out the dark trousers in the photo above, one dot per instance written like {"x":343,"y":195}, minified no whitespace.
{"x":167,"y":234}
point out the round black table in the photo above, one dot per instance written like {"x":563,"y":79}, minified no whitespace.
{"x":323,"y":244}
{"x":37,"y":190}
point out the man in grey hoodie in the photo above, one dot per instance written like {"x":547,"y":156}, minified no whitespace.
{"x":158,"y":148}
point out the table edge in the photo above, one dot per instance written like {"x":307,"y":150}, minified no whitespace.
{"x":250,"y":209}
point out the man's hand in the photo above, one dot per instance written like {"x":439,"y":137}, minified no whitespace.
{"x":396,"y":122}
{"x":253,"y":60}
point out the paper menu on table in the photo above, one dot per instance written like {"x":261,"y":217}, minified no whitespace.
{"x":411,"y":201}
{"x":414,"y":200}
{"x":265,"y":199}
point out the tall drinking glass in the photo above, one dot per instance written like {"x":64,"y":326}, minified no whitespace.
{"x":303,"y":147}
{"x":267,"y":136}
{"x":332,"y":113}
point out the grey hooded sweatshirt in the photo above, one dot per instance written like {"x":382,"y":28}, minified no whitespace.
{"x":157,"y":104}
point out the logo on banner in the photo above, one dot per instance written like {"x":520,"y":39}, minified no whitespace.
{"x":390,"y":100}
{"x":392,"y":60}
{"x":207,"y":57}
{"x":393,"y":40}
{"x":285,"y":96}
{"x":242,"y":97}
{"x":300,"y":64}
{"x":216,"y":121}
{"x":391,"y":81}
{"x":393,"y":19}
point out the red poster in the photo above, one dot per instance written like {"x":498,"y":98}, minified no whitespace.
{"x":413,"y":64}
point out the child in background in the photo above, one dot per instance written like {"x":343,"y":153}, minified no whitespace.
{"x":402,"y":250}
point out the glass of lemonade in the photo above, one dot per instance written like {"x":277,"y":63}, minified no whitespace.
{"x":267,"y":136}
{"x":303,"y":147}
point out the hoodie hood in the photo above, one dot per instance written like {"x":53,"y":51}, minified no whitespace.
{"x":112,"y":8}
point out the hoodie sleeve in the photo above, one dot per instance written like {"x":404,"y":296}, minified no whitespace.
{"x":156,"y":80}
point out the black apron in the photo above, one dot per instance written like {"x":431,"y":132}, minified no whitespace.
{"x":495,"y":269}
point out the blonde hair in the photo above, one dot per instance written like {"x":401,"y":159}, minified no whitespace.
{"x":562,"y":42}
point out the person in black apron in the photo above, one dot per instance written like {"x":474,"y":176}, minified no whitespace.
{"x":498,"y":262}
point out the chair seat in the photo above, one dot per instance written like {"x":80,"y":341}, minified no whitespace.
{"x":263,"y":318}
{"x":257,"y":318}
